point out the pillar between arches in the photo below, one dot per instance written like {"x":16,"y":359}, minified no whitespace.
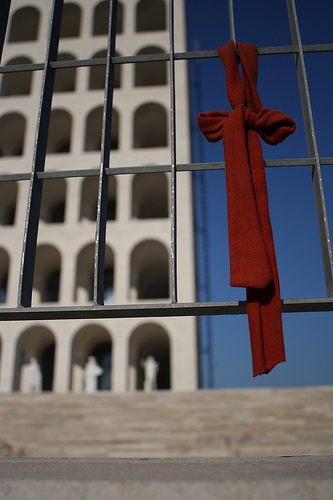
{"x":62,"y":364}
{"x":119,"y":363}
{"x":7,"y":362}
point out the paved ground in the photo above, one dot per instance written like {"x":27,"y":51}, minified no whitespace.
{"x":303,"y":478}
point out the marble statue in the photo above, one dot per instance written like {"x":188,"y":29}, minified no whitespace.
{"x":151,"y":368}
{"x":91,"y":373}
{"x":35,"y":376}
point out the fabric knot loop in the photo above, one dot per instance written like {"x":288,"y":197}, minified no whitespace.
{"x":211,"y":124}
{"x":250,"y":118}
{"x":272,"y":125}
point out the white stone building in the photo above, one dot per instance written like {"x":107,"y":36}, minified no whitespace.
{"x":137,"y":268}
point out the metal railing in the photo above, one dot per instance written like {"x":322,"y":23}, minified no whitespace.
{"x":24,"y":311}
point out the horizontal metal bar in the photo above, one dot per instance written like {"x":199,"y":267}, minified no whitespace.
{"x":78,"y":63}
{"x":326,"y":161}
{"x":16,"y":68}
{"x":290,"y":162}
{"x":15,"y":177}
{"x":155,"y":310}
{"x":143,"y":169}
{"x":320,"y":47}
{"x":61,"y":174}
{"x":141,"y":58}
{"x":146,"y":169}
{"x":307,"y":305}
{"x":262,"y":51}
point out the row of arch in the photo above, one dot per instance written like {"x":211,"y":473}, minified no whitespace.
{"x":39,"y":342}
{"x":149,"y":199}
{"x":150,"y":130}
{"x":149,"y":273}
{"x":24,"y":24}
{"x":145,"y":74}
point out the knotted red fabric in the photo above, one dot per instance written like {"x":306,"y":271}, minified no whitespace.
{"x":251,"y":246}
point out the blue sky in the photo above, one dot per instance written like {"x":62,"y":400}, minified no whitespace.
{"x":308,"y":337}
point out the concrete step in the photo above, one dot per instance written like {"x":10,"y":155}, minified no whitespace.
{"x":221,"y":423}
{"x":273,"y":478}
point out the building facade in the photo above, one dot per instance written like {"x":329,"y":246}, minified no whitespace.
{"x":137,"y":256}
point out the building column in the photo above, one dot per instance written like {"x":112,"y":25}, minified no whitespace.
{"x":183,"y":355}
{"x":7,"y":362}
{"x":73,"y":201}
{"x":119,"y":362}
{"x":67,"y":280}
{"x":62,"y":362}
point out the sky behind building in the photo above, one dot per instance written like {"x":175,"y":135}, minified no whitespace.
{"x":308,"y":336}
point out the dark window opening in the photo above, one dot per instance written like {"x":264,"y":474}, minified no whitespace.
{"x":150,"y":15}
{"x":70,"y":22}
{"x":47,"y":368}
{"x":101,"y":18}
{"x":12,"y":126}
{"x":102,"y":353}
{"x":65,"y":77}
{"x":24,"y":25}
{"x":150,"y":126}
{"x":150,"y":73}
{"x":51,"y":291}
{"x":17,"y":83}
{"x":3,"y":289}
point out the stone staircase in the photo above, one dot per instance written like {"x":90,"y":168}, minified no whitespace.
{"x":219,"y":423}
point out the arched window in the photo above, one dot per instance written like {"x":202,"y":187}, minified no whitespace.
{"x":92,"y":340}
{"x":89,"y":196}
{"x":47,"y":274}
{"x":4,"y":266}
{"x":59,"y":138}
{"x":18,"y":83}
{"x":12,"y":126}
{"x":51,"y":290}
{"x":24,"y":25}
{"x":53,"y":200}
{"x":150,"y":126}
{"x":101,"y":18}
{"x":97,"y":73}
{"x":149,"y":196}
{"x":150,"y":73}
{"x":3,"y":289}
{"x":8,"y":195}
{"x":150,"y":15}
{"x":150,"y":271}
{"x":85,"y":274}
{"x":34,"y":365}
{"x":70,"y":21}
{"x":65,"y":77}
{"x":149,"y":339}
{"x":47,"y":367}
{"x":94,"y":130}
{"x":108,"y":285}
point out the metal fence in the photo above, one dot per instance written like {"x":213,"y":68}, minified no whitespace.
{"x":24,"y":311}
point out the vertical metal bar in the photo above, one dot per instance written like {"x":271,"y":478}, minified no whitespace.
{"x":232,"y":20}
{"x":203,"y":267}
{"x":5,"y":6}
{"x":318,"y":187}
{"x":173,"y":214}
{"x":38,"y":161}
{"x":99,"y":262}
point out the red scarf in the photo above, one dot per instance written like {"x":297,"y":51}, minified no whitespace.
{"x":251,"y":246}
